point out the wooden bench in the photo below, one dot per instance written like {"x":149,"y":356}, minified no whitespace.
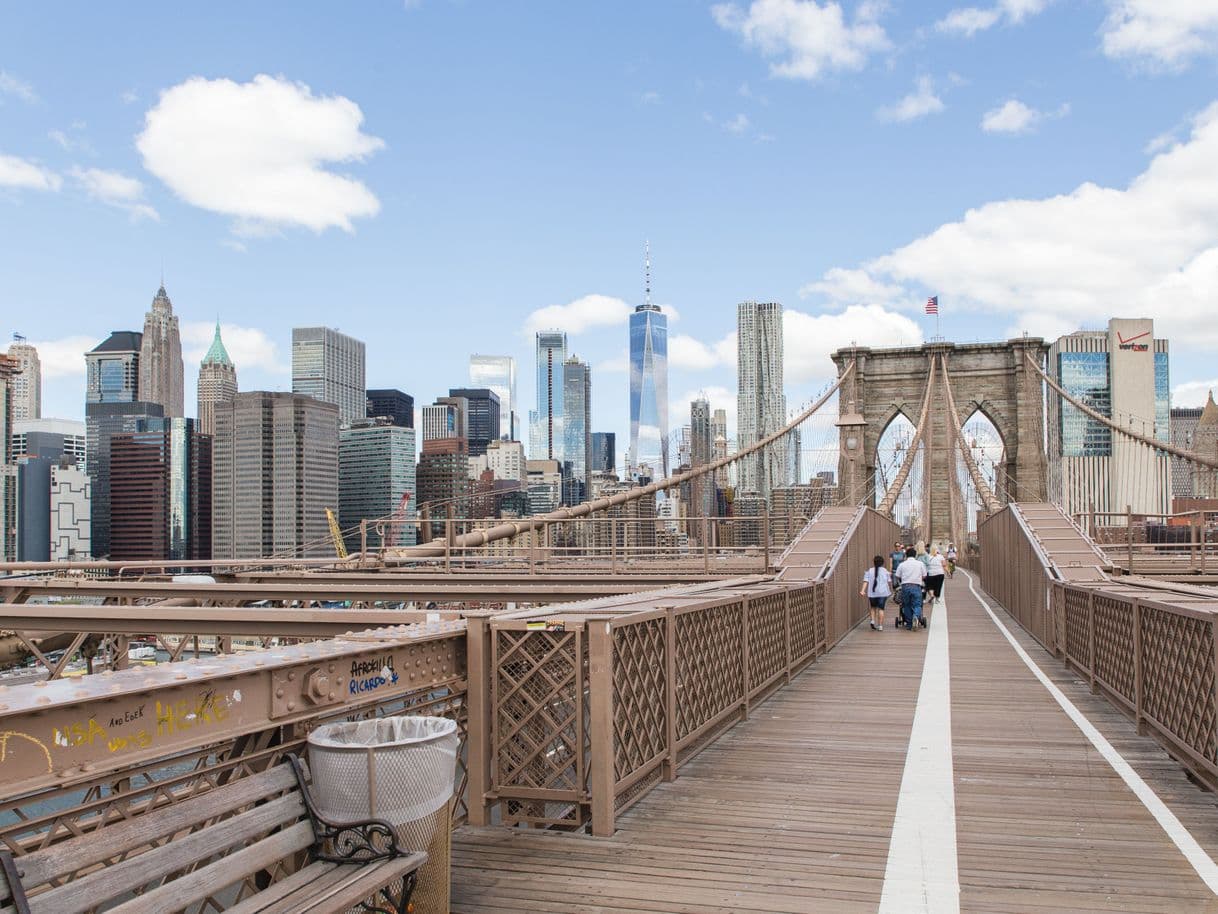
{"x":172,"y":858}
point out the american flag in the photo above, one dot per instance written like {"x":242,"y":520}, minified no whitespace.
{"x":932,"y":305}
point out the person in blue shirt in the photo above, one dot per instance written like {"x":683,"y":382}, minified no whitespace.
{"x":877,"y":588}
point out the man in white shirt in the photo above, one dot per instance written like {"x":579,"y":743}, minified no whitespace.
{"x":911,"y":575}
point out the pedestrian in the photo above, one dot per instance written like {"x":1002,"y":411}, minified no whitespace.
{"x":951,"y":560}
{"x":897,"y":555}
{"x":911,"y":574}
{"x":877,"y":588}
{"x":924,"y":558}
{"x":934,"y":576}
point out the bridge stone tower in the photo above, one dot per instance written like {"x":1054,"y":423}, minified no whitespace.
{"x":993,"y":378}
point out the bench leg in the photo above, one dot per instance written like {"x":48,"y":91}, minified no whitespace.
{"x":393,"y":902}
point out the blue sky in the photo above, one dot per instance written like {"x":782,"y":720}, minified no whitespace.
{"x":429,"y":176}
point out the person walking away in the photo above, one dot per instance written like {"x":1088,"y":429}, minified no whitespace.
{"x":911,"y":575}
{"x":877,"y":588}
{"x":924,"y":558}
{"x":951,"y":559}
{"x":934,"y":576}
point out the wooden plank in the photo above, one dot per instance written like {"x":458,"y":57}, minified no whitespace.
{"x":345,"y":886}
{"x":130,"y":874}
{"x":122,"y":838}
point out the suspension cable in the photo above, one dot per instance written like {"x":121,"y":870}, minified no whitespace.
{"x":987,"y":494}
{"x":894,"y":491}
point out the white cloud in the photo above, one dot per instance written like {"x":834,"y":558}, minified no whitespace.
{"x":1192,"y":393}
{"x":129,"y":97}
{"x":586,"y":313}
{"x":63,"y":357}
{"x":1016,"y":117}
{"x":688,"y":353}
{"x":969,"y":20}
{"x":27,"y":175}
{"x":650,"y":97}
{"x":16,"y":88}
{"x":619,"y":364}
{"x":1162,"y":33}
{"x":73,"y":139}
{"x":258,"y":152}
{"x":249,"y":347}
{"x":853,"y":287}
{"x":809,"y":339}
{"x":1078,"y":258}
{"x":115,"y":189}
{"x":737,"y":124}
{"x":919,"y":103}
{"x":806,"y":39}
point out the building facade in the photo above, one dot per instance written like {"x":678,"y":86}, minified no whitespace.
{"x":391,"y":404}
{"x":1123,"y":374}
{"x":217,"y":383}
{"x":275,"y":471}
{"x":546,"y":421}
{"x":329,"y":366}
{"x":577,"y":429}
{"x":483,"y":416}
{"x":52,"y":523}
{"x":27,"y":381}
{"x":8,"y":472}
{"x":442,"y":477}
{"x":52,"y":438}
{"x":701,"y":444}
{"x":376,"y":468}
{"x":760,"y":403}
{"x":648,"y":388}
{"x":498,"y":372}
{"x":604,"y":452}
{"x":1183,"y":425}
{"x":506,"y":460}
{"x":160,"y":492}
{"x":441,"y":420}
{"x":161,"y":369}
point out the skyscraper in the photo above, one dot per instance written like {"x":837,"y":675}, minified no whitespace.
{"x":53,"y":438}
{"x":648,"y":382}
{"x":702,"y":496}
{"x":483,"y":417}
{"x":375,"y":469}
{"x":329,"y":366}
{"x":546,"y":422}
{"x":577,"y":429}
{"x":161,"y":369}
{"x":8,"y":472}
{"x":1183,"y":425}
{"x":217,"y":383}
{"x":112,"y":407}
{"x":26,"y":384}
{"x":160,"y":492}
{"x":275,"y":471}
{"x":391,"y":404}
{"x":759,"y":397}
{"x":1121,"y":373}
{"x":443,"y":479}
{"x":604,"y":452}
{"x":498,"y":372}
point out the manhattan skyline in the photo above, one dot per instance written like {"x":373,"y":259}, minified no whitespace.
{"x":456,"y":203}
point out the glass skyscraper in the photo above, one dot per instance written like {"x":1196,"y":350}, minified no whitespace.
{"x":546,"y":422}
{"x":498,"y":372}
{"x":649,"y":384}
{"x":329,"y":366}
{"x":577,"y":429}
{"x":760,"y":403}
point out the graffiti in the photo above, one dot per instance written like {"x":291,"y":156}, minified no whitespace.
{"x":127,"y":717}
{"x":7,"y":735}
{"x":381,"y":670}
{"x":181,"y":715}
{"x":84,"y":733}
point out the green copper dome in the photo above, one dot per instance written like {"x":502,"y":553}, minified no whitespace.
{"x":217,"y":354}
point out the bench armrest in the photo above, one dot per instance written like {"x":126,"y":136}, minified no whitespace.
{"x":361,"y":841}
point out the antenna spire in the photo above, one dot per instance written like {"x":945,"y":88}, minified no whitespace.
{"x":647,"y":273}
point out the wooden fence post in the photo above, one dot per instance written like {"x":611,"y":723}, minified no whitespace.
{"x":478,"y":727}
{"x":602,"y":774}
{"x":670,"y":691}
{"x":1138,"y":685}
{"x":744,"y":659}
{"x":1091,"y":639}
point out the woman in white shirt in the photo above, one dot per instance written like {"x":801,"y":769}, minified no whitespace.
{"x":935,"y":570}
{"x":877,"y":588}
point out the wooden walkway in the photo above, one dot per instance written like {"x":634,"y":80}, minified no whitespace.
{"x":793,"y":810}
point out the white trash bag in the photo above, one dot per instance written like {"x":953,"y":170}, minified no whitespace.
{"x":399,"y":769}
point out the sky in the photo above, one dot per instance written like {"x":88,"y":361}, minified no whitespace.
{"x":444,"y":177}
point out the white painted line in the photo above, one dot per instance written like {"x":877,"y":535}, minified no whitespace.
{"x":922,"y":874}
{"x":1193,"y":852}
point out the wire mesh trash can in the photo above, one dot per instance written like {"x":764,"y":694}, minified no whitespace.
{"x":401,"y":770}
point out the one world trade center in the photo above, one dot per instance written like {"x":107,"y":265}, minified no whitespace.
{"x":649,"y":383}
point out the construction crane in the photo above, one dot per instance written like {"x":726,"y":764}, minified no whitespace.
{"x":336,"y":534}
{"x":396,"y":520}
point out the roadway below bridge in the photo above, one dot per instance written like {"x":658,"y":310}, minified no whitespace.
{"x":956,"y":768}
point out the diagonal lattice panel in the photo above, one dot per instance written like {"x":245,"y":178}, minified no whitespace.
{"x":803,"y":622}
{"x":1114,"y":660}
{"x":1178,"y":676}
{"x":1078,"y":648}
{"x":709,"y":669}
{"x":538,"y":682}
{"x":767,"y":638}
{"x":640,"y":705}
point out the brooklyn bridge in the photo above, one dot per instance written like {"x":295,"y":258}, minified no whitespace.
{"x":645,"y":727}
